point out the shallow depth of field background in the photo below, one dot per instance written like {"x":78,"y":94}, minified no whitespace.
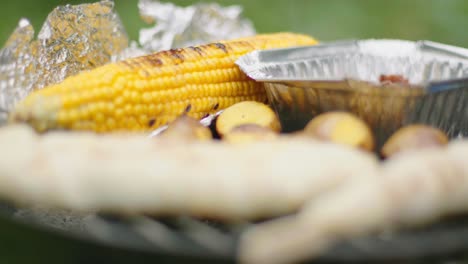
{"x":438,"y":20}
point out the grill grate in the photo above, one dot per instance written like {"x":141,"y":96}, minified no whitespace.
{"x":187,"y":236}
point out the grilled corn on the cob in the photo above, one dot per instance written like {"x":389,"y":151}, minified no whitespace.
{"x":143,"y":93}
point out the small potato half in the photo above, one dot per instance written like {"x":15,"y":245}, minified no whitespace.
{"x":341,"y":128}
{"x":247,"y":112}
{"x":187,"y":128}
{"x":414,"y":137}
{"x":249,"y":133}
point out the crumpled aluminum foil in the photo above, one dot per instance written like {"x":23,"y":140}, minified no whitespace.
{"x":17,"y":65}
{"x":73,"y":38}
{"x":79,"y":37}
{"x":176,"y":27}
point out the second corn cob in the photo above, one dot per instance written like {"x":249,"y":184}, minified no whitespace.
{"x":146,"y":92}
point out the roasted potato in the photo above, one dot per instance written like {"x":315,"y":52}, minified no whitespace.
{"x":187,"y":128}
{"x":342,"y":128}
{"x":249,"y":133}
{"x":414,"y":137}
{"x":247,"y":112}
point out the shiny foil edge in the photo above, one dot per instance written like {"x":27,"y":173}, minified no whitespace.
{"x":258,"y":65}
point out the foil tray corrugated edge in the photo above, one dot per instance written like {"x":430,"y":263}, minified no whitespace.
{"x":258,"y":65}
{"x":302,"y":82}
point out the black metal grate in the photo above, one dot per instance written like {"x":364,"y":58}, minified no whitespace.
{"x":188,"y":236}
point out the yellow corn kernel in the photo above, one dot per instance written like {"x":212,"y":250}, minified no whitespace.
{"x":143,"y":93}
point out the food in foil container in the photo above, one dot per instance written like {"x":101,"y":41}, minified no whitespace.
{"x":143,"y":93}
{"x":72,"y":39}
{"x":388,"y":83}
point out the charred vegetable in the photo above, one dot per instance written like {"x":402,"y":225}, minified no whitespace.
{"x":146,"y":92}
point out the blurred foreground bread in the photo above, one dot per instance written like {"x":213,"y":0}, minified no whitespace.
{"x":134,"y":174}
{"x":413,"y":188}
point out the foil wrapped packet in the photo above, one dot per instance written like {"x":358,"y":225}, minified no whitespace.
{"x":177,"y":26}
{"x":78,"y":37}
{"x":17,"y":67}
{"x":72,"y":39}
{"x":346,"y":76}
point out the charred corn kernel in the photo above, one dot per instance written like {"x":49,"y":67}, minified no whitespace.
{"x":146,"y":92}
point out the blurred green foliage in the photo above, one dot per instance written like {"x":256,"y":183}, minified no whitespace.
{"x":438,"y":20}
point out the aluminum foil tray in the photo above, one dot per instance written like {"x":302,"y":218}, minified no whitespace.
{"x":303,"y":82}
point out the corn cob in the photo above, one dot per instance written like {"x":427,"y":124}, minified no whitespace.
{"x":143,"y":93}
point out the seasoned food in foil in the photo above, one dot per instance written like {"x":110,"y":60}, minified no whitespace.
{"x":73,"y":38}
{"x":16,"y":67}
{"x":354,"y":76}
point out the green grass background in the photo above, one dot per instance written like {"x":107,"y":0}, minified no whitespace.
{"x":438,"y":20}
